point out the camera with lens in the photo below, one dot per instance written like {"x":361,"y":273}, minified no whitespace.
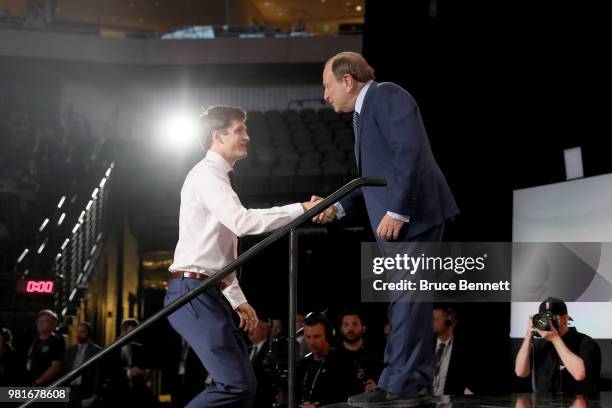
{"x":541,"y":321}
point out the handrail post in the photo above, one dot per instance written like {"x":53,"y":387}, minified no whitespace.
{"x":293,"y":271}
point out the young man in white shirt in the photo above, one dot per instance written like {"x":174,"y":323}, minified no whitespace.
{"x":210,"y":222}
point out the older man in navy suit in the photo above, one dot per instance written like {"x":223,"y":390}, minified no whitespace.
{"x":391,"y":142}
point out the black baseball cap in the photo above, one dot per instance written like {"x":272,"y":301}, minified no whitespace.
{"x":556,"y":306}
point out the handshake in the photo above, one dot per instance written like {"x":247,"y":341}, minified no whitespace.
{"x":326,"y":216}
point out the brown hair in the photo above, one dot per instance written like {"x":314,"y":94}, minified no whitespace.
{"x":216,"y":118}
{"x":353,"y":64}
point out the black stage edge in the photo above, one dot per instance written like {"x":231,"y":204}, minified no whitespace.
{"x":601,"y":400}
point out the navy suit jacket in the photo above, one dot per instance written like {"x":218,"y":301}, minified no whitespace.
{"x":392,"y":143}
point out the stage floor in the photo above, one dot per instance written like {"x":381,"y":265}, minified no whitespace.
{"x":604,"y":399}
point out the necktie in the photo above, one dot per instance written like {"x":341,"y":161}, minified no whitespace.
{"x":230,"y":174}
{"x":80,"y":354}
{"x":439,"y":353}
{"x":253,"y":353}
{"x":78,"y":360}
{"x":356,"y":129}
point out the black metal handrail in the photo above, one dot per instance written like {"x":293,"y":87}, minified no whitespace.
{"x":222,"y":273}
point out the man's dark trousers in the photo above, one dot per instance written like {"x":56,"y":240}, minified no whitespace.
{"x":207,"y":326}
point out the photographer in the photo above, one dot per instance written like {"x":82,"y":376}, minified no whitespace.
{"x":565,"y":360}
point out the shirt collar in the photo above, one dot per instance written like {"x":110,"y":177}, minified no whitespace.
{"x":361,"y":97}
{"x":218,"y":162}
{"x":446,"y":343}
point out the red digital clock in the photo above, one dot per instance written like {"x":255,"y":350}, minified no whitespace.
{"x":30,"y":286}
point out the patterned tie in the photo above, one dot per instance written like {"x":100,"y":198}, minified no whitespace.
{"x":439,"y":353}
{"x":356,"y":129}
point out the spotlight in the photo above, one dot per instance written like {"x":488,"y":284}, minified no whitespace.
{"x":178,"y":130}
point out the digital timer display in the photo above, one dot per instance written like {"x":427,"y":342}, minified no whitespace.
{"x":46,"y":287}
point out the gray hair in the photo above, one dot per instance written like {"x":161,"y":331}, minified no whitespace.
{"x":353,"y":64}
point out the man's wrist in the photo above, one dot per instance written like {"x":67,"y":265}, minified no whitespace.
{"x":557,"y":341}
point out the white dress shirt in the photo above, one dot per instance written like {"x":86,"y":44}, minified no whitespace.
{"x":358,"y":105}
{"x":212,"y":217}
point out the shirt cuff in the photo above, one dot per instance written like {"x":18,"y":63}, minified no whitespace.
{"x":294,"y":210}
{"x":233,"y":294}
{"x":339,"y":210}
{"x":400,"y":217}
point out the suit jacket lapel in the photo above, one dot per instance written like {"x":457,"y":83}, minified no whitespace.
{"x":359,"y":135}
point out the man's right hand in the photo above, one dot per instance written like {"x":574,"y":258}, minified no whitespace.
{"x":549,"y":335}
{"x":314,"y":200}
{"x":326,"y":216}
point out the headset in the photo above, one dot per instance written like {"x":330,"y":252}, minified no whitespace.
{"x":448,"y":322}
{"x":451,"y":316}
{"x":314,"y":318}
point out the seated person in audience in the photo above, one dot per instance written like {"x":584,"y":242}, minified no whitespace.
{"x":262,"y":364}
{"x":368,"y":362}
{"x":45,"y":358}
{"x":325,"y":376}
{"x":277,"y":329}
{"x":453,"y":359}
{"x":83,"y":389}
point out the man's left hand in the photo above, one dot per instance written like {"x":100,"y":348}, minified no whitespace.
{"x":248,"y":317}
{"x":389,"y":228}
